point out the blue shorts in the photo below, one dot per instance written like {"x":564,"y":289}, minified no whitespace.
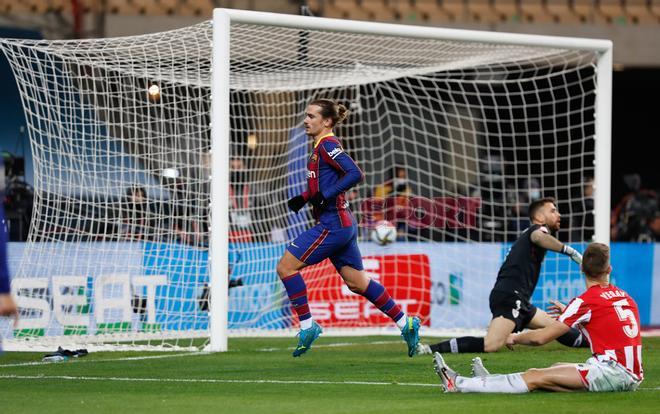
{"x":320,"y":243}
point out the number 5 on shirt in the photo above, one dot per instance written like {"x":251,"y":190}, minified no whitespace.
{"x":626,"y":315}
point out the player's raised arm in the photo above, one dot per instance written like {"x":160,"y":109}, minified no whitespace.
{"x":542,"y":238}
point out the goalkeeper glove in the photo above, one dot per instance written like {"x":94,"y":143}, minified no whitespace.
{"x":296,"y":203}
{"x":319,"y":201}
{"x":574,"y":254}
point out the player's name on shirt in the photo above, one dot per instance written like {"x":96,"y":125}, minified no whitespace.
{"x":613,"y":294}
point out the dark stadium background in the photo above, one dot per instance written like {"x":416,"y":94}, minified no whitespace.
{"x":636,"y":90}
{"x":635,"y":130}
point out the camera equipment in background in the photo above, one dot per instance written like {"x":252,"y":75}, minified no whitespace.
{"x":18,"y":196}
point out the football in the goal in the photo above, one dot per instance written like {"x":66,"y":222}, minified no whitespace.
{"x":383,"y":233}
{"x":157,"y":179}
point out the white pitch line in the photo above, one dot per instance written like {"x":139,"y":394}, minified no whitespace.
{"x":139,"y":358}
{"x":210,"y":381}
{"x":79,"y":360}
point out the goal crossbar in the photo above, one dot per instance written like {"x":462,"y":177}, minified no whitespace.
{"x":438,"y":101}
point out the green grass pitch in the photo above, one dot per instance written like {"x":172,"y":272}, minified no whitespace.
{"x":339,"y":375}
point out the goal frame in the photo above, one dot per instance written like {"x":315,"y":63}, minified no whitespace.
{"x":220,"y":122}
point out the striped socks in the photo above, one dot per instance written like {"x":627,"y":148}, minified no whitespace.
{"x":297,"y":292}
{"x":377,"y":294}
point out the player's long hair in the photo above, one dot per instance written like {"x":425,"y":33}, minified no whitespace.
{"x":331,"y":109}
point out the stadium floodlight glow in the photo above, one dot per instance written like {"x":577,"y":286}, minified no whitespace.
{"x":472,"y":117}
{"x":170,"y":173}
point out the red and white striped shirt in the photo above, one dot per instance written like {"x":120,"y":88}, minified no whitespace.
{"x":609,"y":318}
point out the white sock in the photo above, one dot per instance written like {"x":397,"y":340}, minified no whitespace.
{"x":504,"y":384}
{"x":401,"y":322}
{"x":306,"y":324}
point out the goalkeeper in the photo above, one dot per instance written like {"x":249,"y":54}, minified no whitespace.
{"x":510,"y":298}
{"x":330,"y":173}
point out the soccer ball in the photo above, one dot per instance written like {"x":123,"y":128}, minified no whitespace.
{"x":383,"y":233}
{"x":154,"y":92}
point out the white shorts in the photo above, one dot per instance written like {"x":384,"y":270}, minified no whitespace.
{"x":607,"y":376}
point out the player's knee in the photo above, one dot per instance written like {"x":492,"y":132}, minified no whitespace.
{"x":533,"y":378}
{"x":353,"y":287}
{"x":491,"y":347}
{"x":493,"y":344}
{"x":283,"y":270}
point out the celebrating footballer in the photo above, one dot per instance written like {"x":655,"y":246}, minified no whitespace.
{"x":330,"y":173}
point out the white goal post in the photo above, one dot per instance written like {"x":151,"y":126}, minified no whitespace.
{"x":455,"y":130}
{"x":223,"y":18}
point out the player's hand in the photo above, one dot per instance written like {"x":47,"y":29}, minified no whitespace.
{"x":574,"y":254}
{"x":8,"y":307}
{"x":556,"y":308}
{"x":319,"y":201}
{"x":296,"y":203}
{"x":510,"y":341}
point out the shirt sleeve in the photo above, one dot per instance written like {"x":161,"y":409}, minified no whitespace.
{"x":334,"y":155}
{"x":576,"y":313}
{"x":4,"y":270}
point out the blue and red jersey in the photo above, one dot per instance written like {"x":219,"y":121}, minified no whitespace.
{"x":333,"y":172}
{"x":4,"y":270}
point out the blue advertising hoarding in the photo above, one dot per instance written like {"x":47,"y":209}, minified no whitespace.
{"x":104,"y":279}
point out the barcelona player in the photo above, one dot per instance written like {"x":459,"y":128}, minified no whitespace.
{"x":606,"y":314}
{"x":330,"y":173}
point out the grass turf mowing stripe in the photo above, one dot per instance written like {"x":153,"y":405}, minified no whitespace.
{"x":210,"y":380}
{"x":335,"y":345}
{"x":139,"y":358}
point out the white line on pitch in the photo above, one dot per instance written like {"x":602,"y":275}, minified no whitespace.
{"x":136,"y":358}
{"x":162,"y":356}
{"x":209,"y":380}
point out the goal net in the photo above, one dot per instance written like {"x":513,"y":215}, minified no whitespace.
{"x":455,"y":131}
